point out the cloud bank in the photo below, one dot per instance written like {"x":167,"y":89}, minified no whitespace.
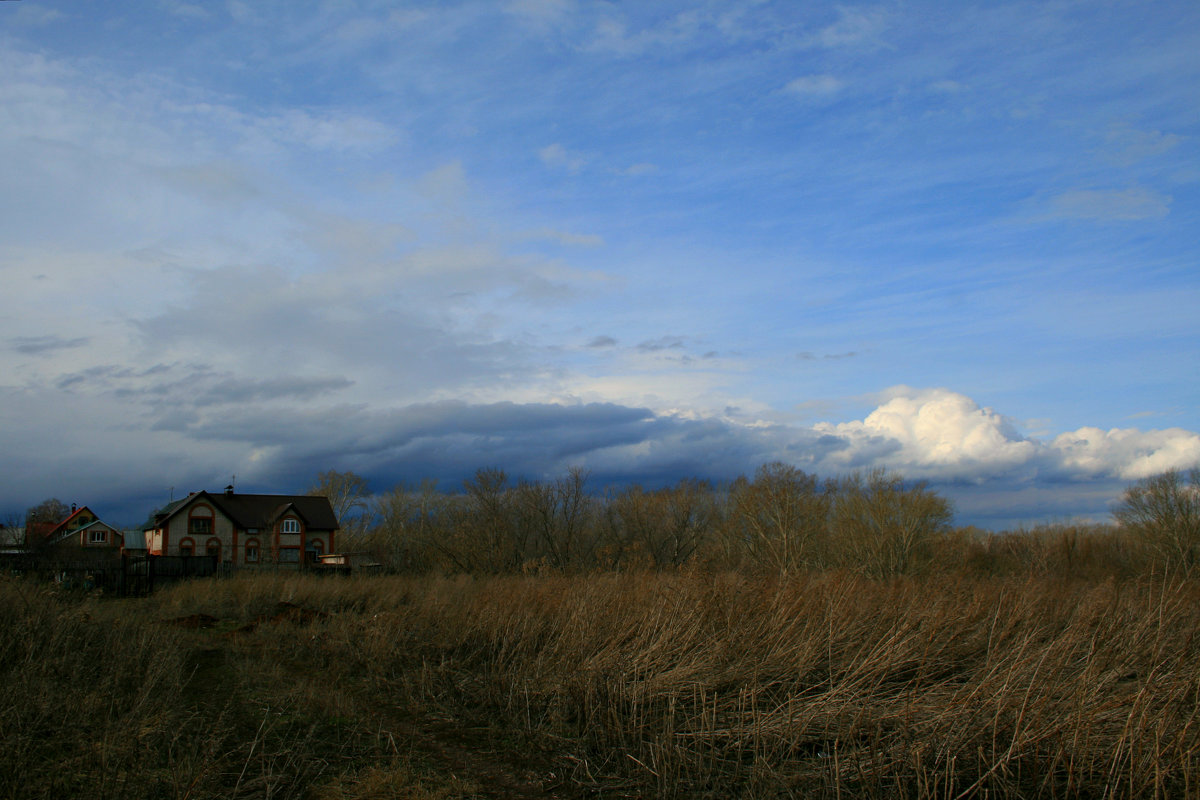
{"x":203,"y":429}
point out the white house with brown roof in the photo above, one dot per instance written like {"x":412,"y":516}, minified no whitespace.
{"x":245,"y":529}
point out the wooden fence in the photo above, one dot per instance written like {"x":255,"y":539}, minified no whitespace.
{"x":122,"y":575}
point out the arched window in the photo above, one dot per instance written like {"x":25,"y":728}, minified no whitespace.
{"x":315,"y":548}
{"x":290,"y":525}
{"x":213,"y":548}
{"x":252,"y":551}
{"x":200,"y":521}
{"x":187,"y":547}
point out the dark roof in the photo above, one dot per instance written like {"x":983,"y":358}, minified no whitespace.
{"x":261,"y":510}
{"x":161,"y":514}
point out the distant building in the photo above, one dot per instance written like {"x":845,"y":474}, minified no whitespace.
{"x":84,"y":530}
{"x":12,"y":540}
{"x":357,"y":562}
{"x":244,"y":529}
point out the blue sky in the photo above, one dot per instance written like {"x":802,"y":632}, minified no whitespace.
{"x":652,"y":240}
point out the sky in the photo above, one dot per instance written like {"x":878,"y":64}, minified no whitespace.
{"x":652,"y":240}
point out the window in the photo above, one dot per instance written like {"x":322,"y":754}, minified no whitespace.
{"x":187,"y":547}
{"x":201,"y":526}
{"x":97,"y":537}
{"x":213,"y":548}
{"x":290,"y":525}
{"x":289,"y":555}
{"x":252,"y":551}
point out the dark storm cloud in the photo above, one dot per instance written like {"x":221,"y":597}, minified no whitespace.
{"x":449,"y":441}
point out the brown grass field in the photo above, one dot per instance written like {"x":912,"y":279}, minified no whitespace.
{"x":685,"y":684}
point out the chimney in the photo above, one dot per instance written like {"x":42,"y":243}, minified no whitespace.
{"x":229,"y":490}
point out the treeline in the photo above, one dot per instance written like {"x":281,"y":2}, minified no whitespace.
{"x":782,"y":520}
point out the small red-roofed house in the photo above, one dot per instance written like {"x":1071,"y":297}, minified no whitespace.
{"x":83,"y":529}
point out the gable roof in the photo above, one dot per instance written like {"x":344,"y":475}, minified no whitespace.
{"x":258,"y":510}
{"x":65,"y":534}
{"x":62,"y":526}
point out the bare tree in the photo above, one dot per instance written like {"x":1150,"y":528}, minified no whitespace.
{"x":559,"y":515}
{"x":493,"y":521}
{"x":41,"y":519}
{"x":665,"y":527}
{"x":1163,"y":512}
{"x":882,"y":526}
{"x":347,"y":493}
{"x":407,"y":526}
{"x":782,"y":517}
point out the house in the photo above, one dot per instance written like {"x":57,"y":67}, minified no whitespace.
{"x":244,"y":529}
{"x":85,"y":530}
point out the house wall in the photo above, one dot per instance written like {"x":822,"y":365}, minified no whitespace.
{"x":82,"y":538}
{"x":275,"y":547}
{"x":290,"y":548}
{"x":112,"y":537}
{"x":180,"y":531}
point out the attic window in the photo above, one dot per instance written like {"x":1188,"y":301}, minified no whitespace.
{"x":200,"y":521}
{"x":97,"y":537}
{"x":290,"y":525}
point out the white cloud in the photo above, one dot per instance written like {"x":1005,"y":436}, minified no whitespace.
{"x":1130,"y":145}
{"x":935,"y":432}
{"x":566,"y":238}
{"x":612,"y":34}
{"x":190,"y":10}
{"x":557,"y":156}
{"x":543,"y":15}
{"x":855,"y":26}
{"x":940,"y":434}
{"x":332,"y":130}
{"x":947,"y":87}
{"x":814,"y":85}
{"x":1111,"y":204}
{"x":445,"y":185}
{"x":28,"y":14}
{"x":642,"y":168}
{"x":1126,"y":453}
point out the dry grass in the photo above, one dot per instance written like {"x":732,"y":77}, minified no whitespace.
{"x":675,"y":685}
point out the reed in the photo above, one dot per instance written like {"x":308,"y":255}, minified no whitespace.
{"x":673,"y":684}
